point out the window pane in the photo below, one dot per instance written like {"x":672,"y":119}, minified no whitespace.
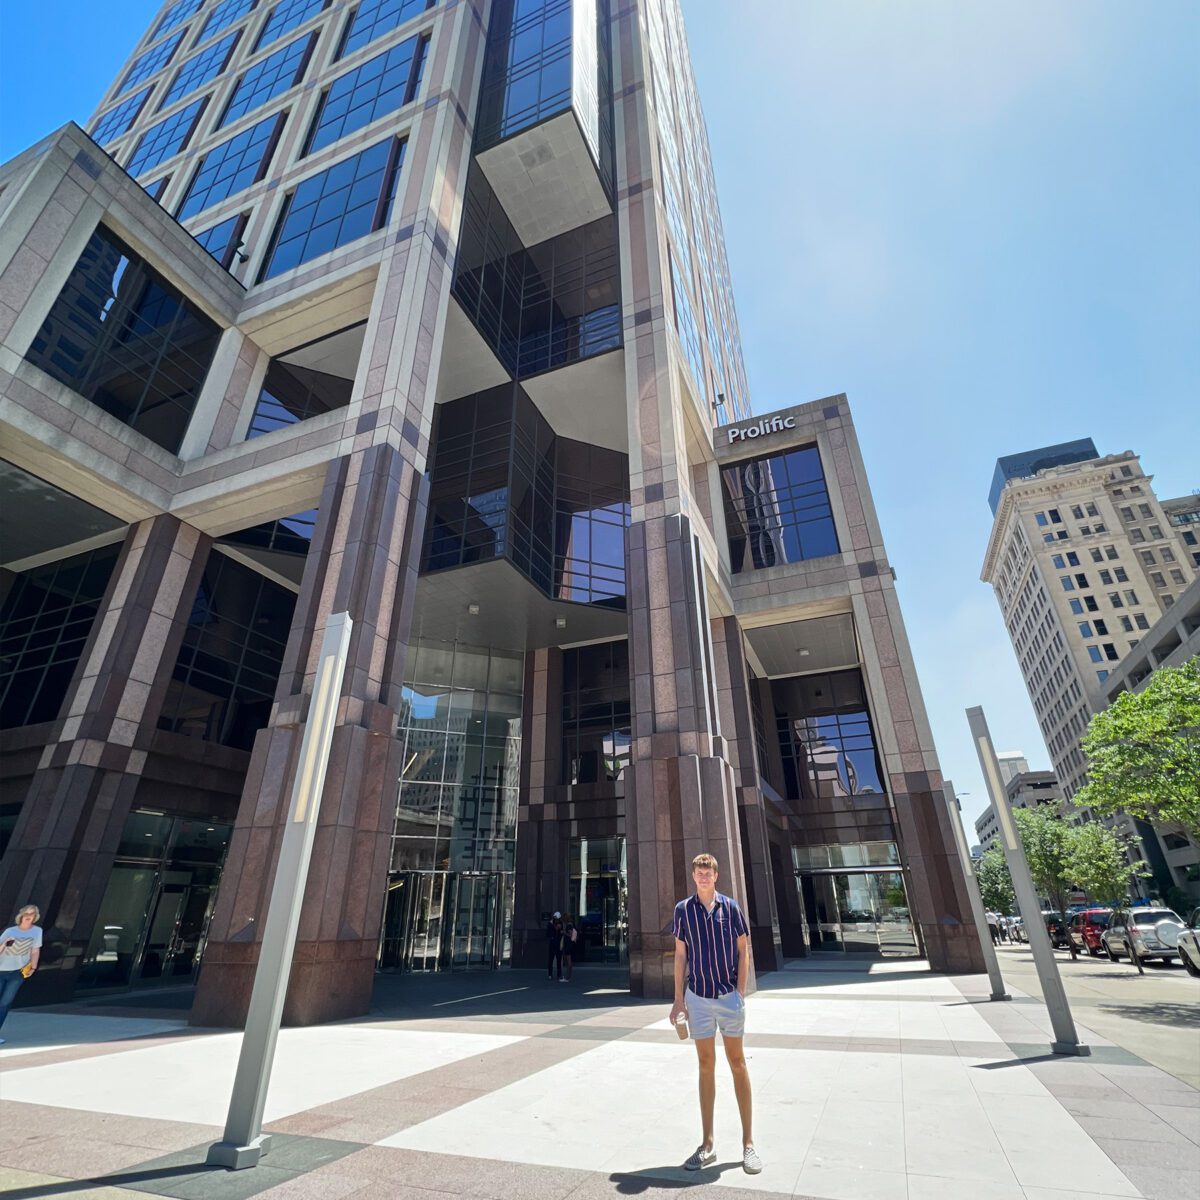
{"x":318,"y":218}
{"x":147,"y":64}
{"x":232,"y":166}
{"x":166,"y":138}
{"x":270,"y":78}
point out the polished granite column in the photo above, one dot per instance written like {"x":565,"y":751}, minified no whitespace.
{"x":363,"y":561}
{"x":62,"y":849}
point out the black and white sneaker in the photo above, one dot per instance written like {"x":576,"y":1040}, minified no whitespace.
{"x":700,"y":1159}
{"x":751,"y":1163}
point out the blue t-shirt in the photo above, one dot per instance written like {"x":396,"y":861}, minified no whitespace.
{"x":711,"y":939}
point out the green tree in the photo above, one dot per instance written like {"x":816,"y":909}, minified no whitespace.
{"x":1143,"y":751}
{"x":1047,"y":842}
{"x":1098,"y":864}
{"x":995,"y":883}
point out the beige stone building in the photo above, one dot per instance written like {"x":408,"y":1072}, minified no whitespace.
{"x":1083,"y":560}
{"x":422,"y":312}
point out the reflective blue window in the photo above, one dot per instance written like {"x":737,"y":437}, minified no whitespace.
{"x":222,"y":241}
{"x":168,"y":137}
{"x":374,"y":18}
{"x":527,"y":67}
{"x":117,"y":120}
{"x":269,"y":78}
{"x":146,"y":64}
{"x":685,"y":325}
{"x":200,"y":68}
{"x":232,"y":165}
{"x":379,"y":86}
{"x":328,"y":210}
{"x":223,"y":16}
{"x":777,"y":510}
{"x":285,"y":16}
{"x":177,"y":14}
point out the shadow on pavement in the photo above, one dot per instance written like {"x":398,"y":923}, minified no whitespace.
{"x":1156,"y":1013}
{"x":673,"y":1178}
{"x":64,"y":1187}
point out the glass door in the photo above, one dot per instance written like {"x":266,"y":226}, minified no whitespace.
{"x":821,"y":912}
{"x":473,"y":940}
{"x":897,"y":934}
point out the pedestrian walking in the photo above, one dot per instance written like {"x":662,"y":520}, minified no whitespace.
{"x":712,"y":954}
{"x":20,"y":949}
{"x":569,"y":945}
{"x":554,"y":936}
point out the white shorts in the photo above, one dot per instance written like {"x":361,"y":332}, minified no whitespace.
{"x":726,"y":1013}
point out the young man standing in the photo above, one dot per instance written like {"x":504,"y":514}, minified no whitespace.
{"x":712,"y":952}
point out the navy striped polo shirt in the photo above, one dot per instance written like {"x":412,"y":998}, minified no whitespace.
{"x":711,"y":939}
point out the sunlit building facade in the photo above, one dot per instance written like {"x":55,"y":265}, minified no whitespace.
{"x":422,"y":312}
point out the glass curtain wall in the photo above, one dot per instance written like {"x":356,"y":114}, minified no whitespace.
{"x":44,"y":624}
{"x":502,"y":485}
{"x":777,"y":510}
{"x":454,"y":840}
{"x":127,"y":340}
{"x":548,"y":306}
{"x":598,"y":899}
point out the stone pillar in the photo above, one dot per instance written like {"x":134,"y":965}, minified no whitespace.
{"x":737,"y":722}
{"x":541,"y":880}
{"x":62,"y":849}
{"x":680,"y":793}
{"x":363,"y":560}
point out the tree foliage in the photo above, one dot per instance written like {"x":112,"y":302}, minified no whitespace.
{"x":1143,"y":751}
{"x":995,"y":883}
{"x":1047,"y":841}
{"x":1098,"y":864}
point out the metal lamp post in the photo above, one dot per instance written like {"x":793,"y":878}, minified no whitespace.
{"x":244,"y":1142}
{"x":1066,"y":1040}
{"x":981,"y":926}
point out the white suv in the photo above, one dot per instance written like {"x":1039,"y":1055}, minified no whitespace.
{"x":1151,"y":933}
{"x":1189,"y":943}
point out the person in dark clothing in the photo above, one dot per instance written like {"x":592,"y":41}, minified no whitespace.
{"x":554,"y":941}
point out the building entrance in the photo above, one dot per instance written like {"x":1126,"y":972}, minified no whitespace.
{"x":154,"y":916}
{"x":863,"y":912}
{"x":447,"y":921}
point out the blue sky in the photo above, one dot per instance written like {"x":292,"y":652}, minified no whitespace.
{"x":978,"y":220}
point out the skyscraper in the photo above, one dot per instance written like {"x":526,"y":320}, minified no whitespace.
{"x":423,"y":312}
{"x":1083,"y":560}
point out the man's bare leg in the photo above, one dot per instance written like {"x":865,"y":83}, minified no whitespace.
{"x":735,"y":1053}
{"x":706,"y":1052}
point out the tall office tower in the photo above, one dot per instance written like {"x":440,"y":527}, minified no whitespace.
{"x":422,"y":312}
{"x":1083,"y":559}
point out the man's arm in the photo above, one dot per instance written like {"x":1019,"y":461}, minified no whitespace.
{"x":680,"y":978}
{"x":743,"y":949}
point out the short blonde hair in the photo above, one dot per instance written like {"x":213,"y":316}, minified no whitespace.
{"x":704,"y":860}
{"x":31,"y":908}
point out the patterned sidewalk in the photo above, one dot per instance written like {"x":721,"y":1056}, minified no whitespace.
{"x":873,"y":1081}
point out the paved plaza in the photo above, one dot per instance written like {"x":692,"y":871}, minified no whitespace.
{"x":873,"y":1081}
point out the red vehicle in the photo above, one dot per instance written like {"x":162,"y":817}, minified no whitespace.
{"x":1086,"y":927}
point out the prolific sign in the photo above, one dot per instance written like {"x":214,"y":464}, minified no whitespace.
{"x":739,"y":433}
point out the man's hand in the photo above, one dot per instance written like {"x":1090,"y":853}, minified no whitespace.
{"x":677,"y":1008}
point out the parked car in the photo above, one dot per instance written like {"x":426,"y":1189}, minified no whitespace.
{"x":1189,"y":943}
{"x":1153,"y":933}
{"x":1056,"y":927}
{"x":1085,"y":928}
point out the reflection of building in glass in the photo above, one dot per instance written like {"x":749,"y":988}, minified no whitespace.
{"x":777,"y":510}
{"x":423,"y":348}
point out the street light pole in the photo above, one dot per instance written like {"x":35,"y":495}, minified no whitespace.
{"x":1066,"y":1040}
{"x":244,"y":1142}
{"x":976,"y":898}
